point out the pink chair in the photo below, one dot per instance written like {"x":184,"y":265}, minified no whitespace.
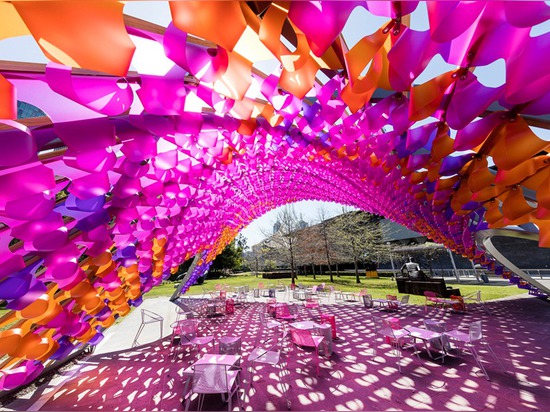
{"x":392,"y":302}
{"x":310,"y":305}
{"x":431,"y":297}
{"x":395,"y":337}
{"x":470,"y":340}
{"x":286,"y":312}
{"x":304,"y":338}
{"x":188,"y":330}
{"x":215,"y":379}
{"x":270,"y":355}
{"x":361,"y":293}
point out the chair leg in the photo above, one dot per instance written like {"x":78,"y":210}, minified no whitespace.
{"x":485,"y":308}
{"x":317,"y":356}
{"x":478,"y":361}
{"x":236,"y":391}
{"x":416,"y":351}
{"x":398,"y":349}
{"x":187,"y":402}
{"x":252,"y":369}
{"x":201,"y":404}
{"x":489,"y":349}
{"x":135,"y":342}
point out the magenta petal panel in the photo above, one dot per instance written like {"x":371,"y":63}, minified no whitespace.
{"x":110,"y":181}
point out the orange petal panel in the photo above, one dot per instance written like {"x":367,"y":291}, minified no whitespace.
{"x":521,"y":172}
{"x":83,"y":34}
{"x":221,"y":22}
{"x":481,"y":176}
{"x":515,"y":206}
{"x":8,"y":99}
{"x":516,"y":143}
{"x":300,"y":81}
{"x":425,"y":98}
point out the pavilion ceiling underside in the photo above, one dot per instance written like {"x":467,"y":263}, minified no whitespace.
{"x":162,"y":143}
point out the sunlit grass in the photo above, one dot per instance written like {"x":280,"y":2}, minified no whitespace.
{"x":377,"y":287}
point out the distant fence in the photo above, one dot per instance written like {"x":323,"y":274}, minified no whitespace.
{"x":470,"y":273}
{"x":458,"y":273}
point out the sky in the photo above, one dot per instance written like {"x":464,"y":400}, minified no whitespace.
{"x":359,"y":24}
{"x":307,"y":209}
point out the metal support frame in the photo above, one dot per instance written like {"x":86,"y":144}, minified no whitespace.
{"x":483,"y":240}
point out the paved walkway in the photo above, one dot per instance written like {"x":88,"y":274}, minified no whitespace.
{"x":118,"y":377}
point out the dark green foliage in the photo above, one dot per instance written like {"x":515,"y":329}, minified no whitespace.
{"x":231,"y":258}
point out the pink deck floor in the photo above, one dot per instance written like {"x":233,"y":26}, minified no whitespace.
{"x":518,"y":330}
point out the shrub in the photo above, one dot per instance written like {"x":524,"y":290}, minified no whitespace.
{"x":277,"y":275}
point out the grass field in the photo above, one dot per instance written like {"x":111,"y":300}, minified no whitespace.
{"x":378,"y":288}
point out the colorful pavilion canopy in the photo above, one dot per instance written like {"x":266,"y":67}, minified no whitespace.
{"x":159,"y":144}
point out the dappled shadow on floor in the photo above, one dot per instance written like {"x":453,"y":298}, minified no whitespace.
{"x":148,"y":378}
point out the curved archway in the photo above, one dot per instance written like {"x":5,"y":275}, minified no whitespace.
{"x":133,"y":171}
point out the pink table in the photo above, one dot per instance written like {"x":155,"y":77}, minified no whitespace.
{"x":323,"y":329}
{"x":272,"y":307}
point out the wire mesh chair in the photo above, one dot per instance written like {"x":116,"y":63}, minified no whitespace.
{"x":338,"y":295}
{"x":268,"y":322}
{"x":404,"y":302}
{"x":287,"y":312}
{"x":304,"y":338}
{"x":230,"y":345}
{"x":367,"y":301}
{"x":470,"y":340}
{"x":188,"y":331}
{"x":270,"y":355}
{"x":148,"y":317}
{"x":442,"y":344}
{"x":431,"y":297}
{"x":395,"y":337}
{"x":392,"y":303}
{"x":475,"y":297}
{"x":214,"y":379}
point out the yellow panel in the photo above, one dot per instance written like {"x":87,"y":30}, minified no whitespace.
{"x":11,"y":24}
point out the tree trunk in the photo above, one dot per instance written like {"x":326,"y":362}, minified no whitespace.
{"x":292,"y":266}
{"x":337,"y":271}
{"x":356,"y":264}
{"x":313,"y":270}
{"x":328,"y":259}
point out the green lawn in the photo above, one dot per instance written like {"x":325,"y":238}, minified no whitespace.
{"x":378,"y":288}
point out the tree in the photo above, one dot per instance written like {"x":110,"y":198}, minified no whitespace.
{"x":231,"y":257}
{"x":360,"y":233}
{"x":324,"y":234}
{"x":309,"y":248}
{"x":283,"y":243}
